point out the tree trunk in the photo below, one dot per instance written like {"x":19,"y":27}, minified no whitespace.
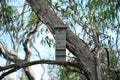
{"x":29,"y":73}
{"x":77,"y":46}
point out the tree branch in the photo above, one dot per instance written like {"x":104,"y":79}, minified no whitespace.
{"x":28,"y":40}
{"x":27,"y":50}
{"x":27,"y":64}
{"x":14,"y":67}
{"x":9,"y":55}
{"x":7,"y":73}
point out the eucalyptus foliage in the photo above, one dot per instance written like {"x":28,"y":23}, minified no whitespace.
{"x":82,"y":16}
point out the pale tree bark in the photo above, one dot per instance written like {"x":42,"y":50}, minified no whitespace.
{"x":28,"y":51}
{"x":86,"y":59}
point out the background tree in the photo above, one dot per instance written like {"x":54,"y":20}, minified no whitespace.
{"x":95,"y":51}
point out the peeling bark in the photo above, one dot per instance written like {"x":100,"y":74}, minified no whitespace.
{"x":77,"y":46}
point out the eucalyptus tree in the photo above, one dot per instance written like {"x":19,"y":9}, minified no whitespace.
{"x":95,"y":51}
